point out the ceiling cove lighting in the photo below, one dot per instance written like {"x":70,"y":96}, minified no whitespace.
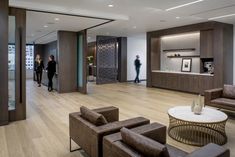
{"x":220,"y":17}
{"x":184,"y":5}
{"x":181,"y":35}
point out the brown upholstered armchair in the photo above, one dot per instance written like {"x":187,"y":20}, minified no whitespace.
{"x":223,"y":98}
{"x":89,"y":136}
{"x":116,"y":146}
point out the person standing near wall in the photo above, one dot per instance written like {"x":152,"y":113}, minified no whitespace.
{"x":137,"y":68}
{"x":51,"y":69}
{"x":38,"y":68}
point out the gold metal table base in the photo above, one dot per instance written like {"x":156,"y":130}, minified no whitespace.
{"x":197,"y":134}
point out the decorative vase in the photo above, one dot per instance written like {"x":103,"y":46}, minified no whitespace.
{"x":192,"y":106}
{"x":197,"y":109}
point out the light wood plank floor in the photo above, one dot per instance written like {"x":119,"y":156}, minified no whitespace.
{"x":45,"y":132}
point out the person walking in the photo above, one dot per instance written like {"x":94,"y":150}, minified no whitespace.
{"x":137,"y":68}
{"x":51,"y":70}
{"x":38,"y":68}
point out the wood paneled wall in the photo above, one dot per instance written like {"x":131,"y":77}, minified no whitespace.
{"x":67,"y":61}
{"x":4,"y":62}
{"x":222,"y":39}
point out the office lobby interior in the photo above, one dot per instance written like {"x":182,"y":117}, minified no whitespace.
{"x":132,"y":78}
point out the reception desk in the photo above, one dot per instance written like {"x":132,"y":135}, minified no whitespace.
{"x":182,"y":81}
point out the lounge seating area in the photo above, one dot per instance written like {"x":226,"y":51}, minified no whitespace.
{"x":99,"y":133}
{"x":117,"y":78}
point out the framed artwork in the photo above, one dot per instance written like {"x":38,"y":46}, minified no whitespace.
{"x":186,"y":65}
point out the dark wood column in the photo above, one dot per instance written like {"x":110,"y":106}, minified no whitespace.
{"x":122,"y":59}
{"x":20,"y":40}
{"x":4,"y":62}
{"x":67,"y":61}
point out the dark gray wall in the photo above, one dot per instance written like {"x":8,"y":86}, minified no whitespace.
{"x":4,"y":62}
{"x":67,"y":61}
{"x":45,"y":50}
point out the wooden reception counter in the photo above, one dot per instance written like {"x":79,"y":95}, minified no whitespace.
{"x":182,"y":81}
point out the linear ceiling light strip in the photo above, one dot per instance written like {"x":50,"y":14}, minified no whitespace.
{"x":184,"y":5}
{"x":220,"y":17}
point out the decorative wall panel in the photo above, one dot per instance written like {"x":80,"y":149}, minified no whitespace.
{"x":107,"y":60}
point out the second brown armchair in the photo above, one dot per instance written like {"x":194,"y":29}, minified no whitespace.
{"x":89,"y":135}
{"x":223,"y":98}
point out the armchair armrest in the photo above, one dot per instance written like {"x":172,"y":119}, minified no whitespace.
{"x":154,"y":131}
{"x":111,"y":113}
{"x":116,"y":126}
{"x":210,"y":150}
{"x":212,"y":94}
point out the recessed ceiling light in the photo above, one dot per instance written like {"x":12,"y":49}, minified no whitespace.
{"x":111,"y":5}
{"x":177,"y":17}
{"x":57,"y":19}
{"x":220,"y":17}
{"x":45,"y":26}
{"x":50,"y":23}
{"x":183,"y":5}
{"x":162,"y":20}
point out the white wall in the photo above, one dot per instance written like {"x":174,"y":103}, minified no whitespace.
{"x":136,"y":45}
{"x":29,"y":74}
{"x":191,"y":40}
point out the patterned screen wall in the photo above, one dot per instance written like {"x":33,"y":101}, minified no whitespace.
{"x":107,"y":60}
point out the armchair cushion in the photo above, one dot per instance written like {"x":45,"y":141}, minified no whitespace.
{"x":92,"y":116}
{"x":144,"y":145}
{"x":224,"y":101}
{"x":229,"y":91}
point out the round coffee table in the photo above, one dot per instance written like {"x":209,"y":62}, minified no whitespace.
{"x":197,"y":130}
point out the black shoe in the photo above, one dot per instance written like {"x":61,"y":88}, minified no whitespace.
{"x":39,"y":85}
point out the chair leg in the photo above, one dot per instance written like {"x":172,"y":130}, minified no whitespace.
{"x":70,"y":146}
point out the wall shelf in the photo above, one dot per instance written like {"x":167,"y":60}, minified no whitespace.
{"x":177,"y":50}
{"x":195,"y":56}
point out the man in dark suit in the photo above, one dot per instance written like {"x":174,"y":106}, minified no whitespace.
{"x":137,"y":68}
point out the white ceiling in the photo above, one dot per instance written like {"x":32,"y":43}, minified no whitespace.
{"x":36,"y":32}
{"x":136,"y":16}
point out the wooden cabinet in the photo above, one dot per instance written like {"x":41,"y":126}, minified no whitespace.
{"x":206,"y":44}
{"x":206,"y":82}
{"x":182,"y":82}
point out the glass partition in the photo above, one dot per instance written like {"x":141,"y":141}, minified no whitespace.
{"x":11,"y":63}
